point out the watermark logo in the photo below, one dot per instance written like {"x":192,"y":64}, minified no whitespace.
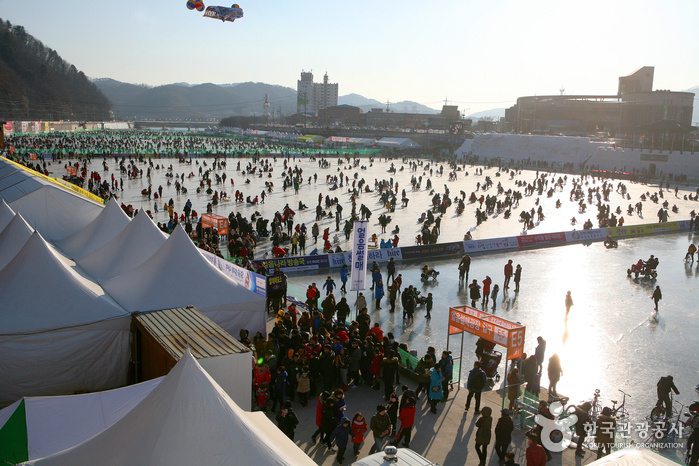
{"x":556,"y":434}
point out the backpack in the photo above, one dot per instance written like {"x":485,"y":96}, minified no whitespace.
{"x":479,"y":381}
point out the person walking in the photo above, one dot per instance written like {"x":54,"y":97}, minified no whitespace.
{"x":422,"y":369}
{"x":287,"y":420}
{"x":435,"y":388}
{"x":508,"y":274}
{"x":503,"y":433}
{"x":475,"y":384}
{"x":474,"y":292}
{"x":344,"y":276}
{"x":690,"y":252}
{"x":518,"y":277}
{"x":341,"y":435}
{"x":536,"y":455}
{"x":483,"y":434}
{"x":657,"y":296}
{"x":359,"y":427}
{"x":583,"y":413}
{"x":391,"y":270}
{"x":569,"y":302}
{"x":380,"y":427}
{"x":407,"y":419}
{"x":539,"y":352}
{"x":604,"y":436}
{"x":378,"y":293}
{"x":446,"y":366}
{"x":389,"y":365}
{"x":428,"y":304}
{"x":555,"y":372}
{"x":392,"y":295}
{"x":464,"y":267}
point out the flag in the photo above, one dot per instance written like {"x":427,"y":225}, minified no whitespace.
{"x":360,"y":240}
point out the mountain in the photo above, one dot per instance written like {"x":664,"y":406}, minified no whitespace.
{"x":496,"y":113}
{"x":195,"y":101}
{"x":37,"y":84}
{"x":366,"y":105}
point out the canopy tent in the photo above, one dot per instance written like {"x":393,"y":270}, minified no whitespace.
{"x":133,"y":246}
{"x":69,"y":337}
{"x":109,"y":223}
{"x":13,"y":238}
{"x":186,"y":419}
{"x":633,"y":456}
{"x":36,"y":427}
{"x":6,"y":214}
{"x":398,"y":143}
{"x":178,"y":275}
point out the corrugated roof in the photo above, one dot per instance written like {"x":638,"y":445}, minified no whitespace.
{"x":175,"y":328}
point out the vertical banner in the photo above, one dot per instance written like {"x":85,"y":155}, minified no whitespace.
{"x":360,"y":238}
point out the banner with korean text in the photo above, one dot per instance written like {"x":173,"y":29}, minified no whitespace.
{"x":487,"y":326}
{"x":360,"y":237}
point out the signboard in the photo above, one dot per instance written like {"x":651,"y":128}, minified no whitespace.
{"x":8,"y":126}
{"x":339,"y":259}
{"x":432,"y":250}
{"x":276,"y":283}
{"x":538,"y":240}
{"x":487,"y":326}
{"x":640,"y":230}
{"x":594,"y":234}
{"x":338,"y":139}
{"x":494,"y":244}
{"x":383,"y":255}
{"x":215,"y":221}
{"x":360,"y":238}
{"x":654,"y":157}
{"x":296,"y":264}
{"x":32,"y":156}
{"x":72,"y":170}
{"x":250,"y":280}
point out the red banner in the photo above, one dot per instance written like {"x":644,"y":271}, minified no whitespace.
{"x":544,"y":238}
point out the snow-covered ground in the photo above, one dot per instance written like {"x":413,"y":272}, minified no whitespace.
{"x":608,"y":342}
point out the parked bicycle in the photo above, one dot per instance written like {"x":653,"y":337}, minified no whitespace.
{"x":620,"y":412}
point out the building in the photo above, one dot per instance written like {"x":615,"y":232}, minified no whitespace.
{"x":314,"y":97}
{"x":626,"y":113}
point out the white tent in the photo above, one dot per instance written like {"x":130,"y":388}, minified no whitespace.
{"x":6,"y":214}
{"x":398,"y":143}
{"x":13,"y":238}
{"x":109,"y":223}
{"x":130,"y":248}
{"x":633,"y":456}
{"x":59,"y":332}
{"x":178,"y":275}
{"x":186,"y":419}
{"x":36,"y":427}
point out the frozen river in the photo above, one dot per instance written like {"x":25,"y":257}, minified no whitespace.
{"x":608,"y":342}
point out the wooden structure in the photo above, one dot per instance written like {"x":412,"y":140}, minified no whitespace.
{"x":161,"y":337}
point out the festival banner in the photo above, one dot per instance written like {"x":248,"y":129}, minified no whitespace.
{"x":594,"y":234}
{"x":487,"y":326}
{"x":360,"y":238}
{"x":641,"y":230}
{"x":494,"y":244}
{"x":539,"y":240}
{"x":296,"y":264}
{"x":339,"y":259}
{"x":250,"y":280}
{"x":432,"y":250}
{"x":383,"y":255}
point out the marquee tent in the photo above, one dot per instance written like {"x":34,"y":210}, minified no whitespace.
{"x":178,"y":275}
{"x":6,"y":214}
{"x":68,"y":337}
{"x":99,"y":232}
{"x":398,"y":143}
{"x":186,"y":419}
{"x":633,"y":456}
{"x":36,"y":427}
{"x":133,"y":246}
{"x":13,"y":238}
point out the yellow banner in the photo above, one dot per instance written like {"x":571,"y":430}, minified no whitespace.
{"x":642,"y":230}
{"x":60,"y":182}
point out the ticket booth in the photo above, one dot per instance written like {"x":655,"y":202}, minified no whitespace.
{"x":215,"y":221}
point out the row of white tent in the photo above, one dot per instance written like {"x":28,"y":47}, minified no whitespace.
{"x":71,"y":274}
{"x":182,"y":418}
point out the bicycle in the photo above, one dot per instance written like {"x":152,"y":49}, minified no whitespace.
{"x":620,"y":412}
{"x":658,"y":412}
{"x":673,"y":428}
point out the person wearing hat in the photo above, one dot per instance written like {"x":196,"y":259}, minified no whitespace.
{"x":287,"y":420}
{"x":503,"y":433}
{"x":380,"y":427}
{"x":341,"y":435}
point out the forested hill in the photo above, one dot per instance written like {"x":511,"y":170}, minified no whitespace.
{"x":37,"y":84}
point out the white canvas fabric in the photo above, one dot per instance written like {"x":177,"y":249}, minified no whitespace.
{"x":55,"y":212}
{"x":59,"y":332}
{"x":16,"y":182}
{"x":186,"y":419}
{"x":6,"y":214}
{"x":178,"y":275}
{"x":134,"y":245}
{"x":633,"y":456}
{"x":56,"y":423}
{"x":107,"y":225}
{"x":13,"y":238}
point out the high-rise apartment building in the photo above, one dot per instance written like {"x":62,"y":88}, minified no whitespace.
{"x":313,"y":97}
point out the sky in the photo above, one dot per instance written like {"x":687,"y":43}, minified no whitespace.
{"x":475,"y":54}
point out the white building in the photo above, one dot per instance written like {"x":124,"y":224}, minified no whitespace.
{"x":313,"y":97}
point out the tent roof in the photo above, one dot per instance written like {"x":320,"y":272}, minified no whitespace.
{"x":633,"y":456}
{"x":16,"y":182}
{"x":186,"y":419}
{"x":178,"y":275}
{"x":25,"y":310}
{"x":99,"y":232}
{"x":6,"y":214}
{"x":55,"y":423}
{"x":13,"y":238}
{"x":133,"y":246}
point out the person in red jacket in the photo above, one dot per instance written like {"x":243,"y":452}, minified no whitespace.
{"x":407,"y":419}
{"x":359,"y":428}
{"x":536,"y":456}
{"x":262,"y":376}
{"x":319,"y":416}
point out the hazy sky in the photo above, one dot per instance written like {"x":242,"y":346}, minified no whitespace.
{"x":477,"y":54}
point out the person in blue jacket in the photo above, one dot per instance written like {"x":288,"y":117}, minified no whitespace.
{"x":378,"y":293}
{"x":341,"y":435}
{"x":329,"y":286}
{"x":435,"y":388}
{"x":344,"y":276}
{"x":446,"y":365}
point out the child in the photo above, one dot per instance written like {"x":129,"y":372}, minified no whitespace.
{"x":429,"y":303}
{"x":341,"y":436}
{"x":359,"y":428}
{"x":262,"y":398}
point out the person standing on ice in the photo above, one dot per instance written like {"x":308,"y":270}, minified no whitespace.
{"x":657,"y":296}
{"x":569,"y":303}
